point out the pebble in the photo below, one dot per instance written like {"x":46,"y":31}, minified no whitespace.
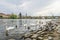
{"x":28,"y":35}
{"x":33,"y":39}
{"x":27,"y":39}
{"x":39,"y":32}
{"x":45,"y":39}
{"x":40,"y":38}
{"x":11,"y":39}
{"x":34,"y":36}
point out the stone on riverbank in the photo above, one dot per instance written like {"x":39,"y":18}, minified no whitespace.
{"x":40,"y":38}
{"x":34,"y":36}
{"x":11,"y":39}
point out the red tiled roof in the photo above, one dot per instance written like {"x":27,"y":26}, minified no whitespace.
{"x":5,"y":14}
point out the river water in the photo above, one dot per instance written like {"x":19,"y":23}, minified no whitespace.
{"x":19,"y":22}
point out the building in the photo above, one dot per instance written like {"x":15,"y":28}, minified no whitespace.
{"x":4,"y":15}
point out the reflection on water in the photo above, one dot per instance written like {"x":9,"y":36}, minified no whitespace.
{"x":19,"y":22}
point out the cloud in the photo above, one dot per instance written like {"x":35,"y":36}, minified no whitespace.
{"x":5,"y":5}
{"x":53,"y":8}
{"x":31,"y":7}
{"x":13,"y":8}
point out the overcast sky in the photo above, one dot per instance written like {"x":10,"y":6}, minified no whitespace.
{"x":31,"y":7}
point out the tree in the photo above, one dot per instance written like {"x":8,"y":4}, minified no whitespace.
{"x":1,"y":16}
{"x":46,"y":17}
{"x":13,"y":16}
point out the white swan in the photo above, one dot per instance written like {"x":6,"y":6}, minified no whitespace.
{"x":10,"y":28}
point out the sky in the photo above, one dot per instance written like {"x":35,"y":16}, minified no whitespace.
{"x":31,"y":7}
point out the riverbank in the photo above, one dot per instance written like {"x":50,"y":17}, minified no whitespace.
{"x":43,"y":35}
{"x":36,"y":35}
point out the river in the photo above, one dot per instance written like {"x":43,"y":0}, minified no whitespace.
{"x":19,"y":22}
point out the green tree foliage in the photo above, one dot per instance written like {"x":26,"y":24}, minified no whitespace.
{"x":1,"y":16}
{"x":13,"y":16}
